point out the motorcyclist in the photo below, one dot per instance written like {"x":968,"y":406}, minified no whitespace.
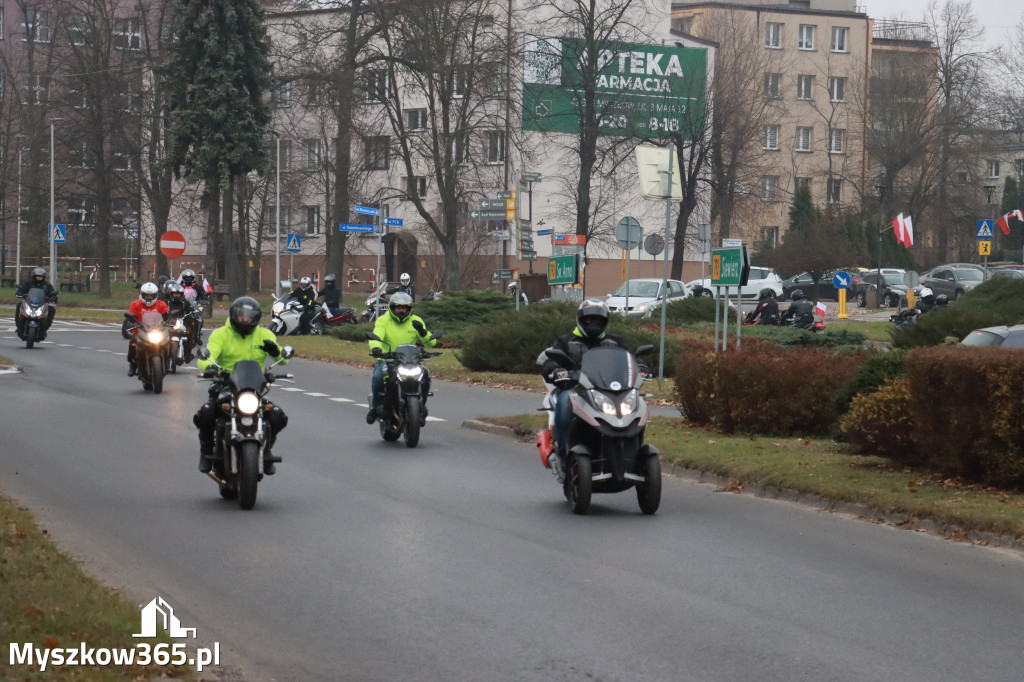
{"x":591,"y":332}
{"x":241,"y":339}
{"x":181,"y":307}
{"x":306,"y":295}
{"x":399,"y":326}
{"x":194,"y":292}
{"x":405,"y":286}
{"x":148,"y":301}
{"x":331,"y":295}
{"x":925,"y":300}
{"x":37,"y":280}
{"x":800,"y":312}
{"x":767,"y":310}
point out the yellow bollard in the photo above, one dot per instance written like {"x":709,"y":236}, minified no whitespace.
{"x":911,"y":299}
{"x":842,"y":305}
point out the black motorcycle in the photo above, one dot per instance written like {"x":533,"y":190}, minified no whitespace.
{"x":35,"y":308}
{"x":402,"y":411}
{"x":152,"y":348}
{"x":182,"y":339}
{"x":242,"y":433}
{"x":606,"y":452}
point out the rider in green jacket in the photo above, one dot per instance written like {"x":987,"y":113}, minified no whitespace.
{"x":397,"y":327}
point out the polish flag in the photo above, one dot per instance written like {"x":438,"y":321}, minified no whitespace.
{"x":820,"y":308}
{"x":1004,"y":222}
{"x":207,"y":287}
{"x":908,"y":232}
{"x":897,"y":226}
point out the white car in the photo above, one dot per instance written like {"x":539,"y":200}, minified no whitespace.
{"x":645,"y":296}
{"x":760,"y":279}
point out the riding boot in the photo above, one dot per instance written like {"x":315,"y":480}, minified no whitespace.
{"x":268,"y":460}
{"x":205,"y":457}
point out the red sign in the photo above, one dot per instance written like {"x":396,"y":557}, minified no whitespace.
{"x":172,"y":244}
{"x":577,"y":239}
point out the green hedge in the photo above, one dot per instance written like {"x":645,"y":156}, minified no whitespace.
{"x":879,"y":422}
{"x":995,"y":302}
{"x":870,"y":376}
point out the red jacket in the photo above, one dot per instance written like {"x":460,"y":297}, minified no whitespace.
{"x":138,"y":308}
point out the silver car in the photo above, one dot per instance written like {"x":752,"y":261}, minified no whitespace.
{"x":645,"y":295}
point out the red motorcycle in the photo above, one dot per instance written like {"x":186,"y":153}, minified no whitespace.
{"x":345,"y":315}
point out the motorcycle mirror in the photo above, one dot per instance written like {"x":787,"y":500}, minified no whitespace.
{"x":556,"y":354}
{"x":129,"y":316}
{"x":203,"y":354}
{"x":643,"y":350}
{"x":436,"y":335}
{"x":286,"y":353}
{"x":373,"y":337}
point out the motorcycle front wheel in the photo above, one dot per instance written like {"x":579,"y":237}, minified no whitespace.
{"x":414,"y":412}
{"x":317,"y":329}
{"x":579,"y":483}
{"x":156,"y":373}
{"x":648,"y":493}
{"x":248,"y":474}
{"x":30,"y":336}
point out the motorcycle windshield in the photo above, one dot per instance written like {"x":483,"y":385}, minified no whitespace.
{"x":610,"y":369}
{"x":35,"y":297}
{"x":408,"y":354}
{"x":247,"y":375}
{"x":152,"y":319}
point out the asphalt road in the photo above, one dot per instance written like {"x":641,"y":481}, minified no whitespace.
{"x":459,"y":560}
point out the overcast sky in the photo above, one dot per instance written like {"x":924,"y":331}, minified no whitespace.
{"x":999,"y":17}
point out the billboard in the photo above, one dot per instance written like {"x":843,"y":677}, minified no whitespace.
{"x":649,"y":91}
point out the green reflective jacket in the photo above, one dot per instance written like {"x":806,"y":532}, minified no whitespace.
{"x":227,"y":346}
{"x":394,"y":334}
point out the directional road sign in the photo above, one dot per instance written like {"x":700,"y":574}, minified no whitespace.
{"x":841,"y":280}
{"x":985,"y":229}
{"x":492,"y":204}
{"x":172,"y":244}
{"x":529,"y":255}
{"x":393,"y":221}
{"x":294,"y":243}
{"x":563,"y":270}
{"x":628,"y":233}
{"x":505,"y":194}
{"x":502,"y":234}
{"x":502,"y":274}
{"x":577,"y":239}
{"x":487,"y":215}
{"x":60,"y":235}
{"x":348,"y":227}
{"x":366,"y":210}
{"x":543,"y":233}
{"x":531,"y":177}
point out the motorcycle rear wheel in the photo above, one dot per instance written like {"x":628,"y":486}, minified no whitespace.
{"x":30,"y":336}
{"x":156,"y":373}
{"x":579,"y":483}
{"x":414,"y":412}
{"x":248,"y":474}
{"x":648,"y":493}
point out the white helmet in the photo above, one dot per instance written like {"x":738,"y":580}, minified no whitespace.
{"x":405,"y":279}
{"x":305,"y":282}
{"x":926,"y":292}
{"x":148,"y":293}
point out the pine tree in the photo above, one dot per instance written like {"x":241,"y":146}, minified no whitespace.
{"x":803,"y":216}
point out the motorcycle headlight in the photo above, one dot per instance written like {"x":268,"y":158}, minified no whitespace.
{"x":155,"y":336}
{"x":604,"y":402}
{"x":179,"y":325}
{"x":410,"y":372}
{"x":629,"y":403}
{"x":36,"y":312}
{"x":248,"y":402}
{"x":277,"y":308}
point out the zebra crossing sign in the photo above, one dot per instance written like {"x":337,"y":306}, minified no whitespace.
{"x":294,"y":243}
{"x":984,"y":229}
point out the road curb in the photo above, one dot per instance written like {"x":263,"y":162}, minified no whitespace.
{"x":496,"y":429}
{"x":10,"y":369}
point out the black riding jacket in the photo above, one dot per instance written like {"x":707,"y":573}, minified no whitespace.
{"x":766,"y":312}
{"x":332,"y":295}
{"x":307,"y":297}
{"x":575,"y":345}
{"x":802,"y":310}
{"x":31,"y":283}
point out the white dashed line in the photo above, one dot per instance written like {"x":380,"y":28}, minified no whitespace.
{"x":341,"y":400}
{"x":317,"y":395}
{"x":434,"y":419}
{"x":291,"y":388}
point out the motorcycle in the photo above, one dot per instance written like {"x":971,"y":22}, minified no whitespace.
{"x":812,"y":325}
{"x":606,"y":452}
{"x":152,"y":348}
{"x":182,"y":342}
{"x":242,"y":433}
{"x":402,"y":412}
{"x":34,"y":310}
{"x":346,"y":315}
{"x":376,"y":305}
{"x":286,"y":316}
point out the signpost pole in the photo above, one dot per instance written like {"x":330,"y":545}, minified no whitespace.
{"x":380,"y":243}
{"x":664,"y":277}
{"x":277,"y":250}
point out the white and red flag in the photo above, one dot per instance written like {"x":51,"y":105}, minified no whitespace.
{"x":207,"y":287}
{"x":904,"y":228}
{"x":820,"y":308}
{"x":1004,"y":222}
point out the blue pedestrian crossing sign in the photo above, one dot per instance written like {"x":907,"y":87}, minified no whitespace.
{"x":294,"y":244}
{"x":985,"y":229}
{"x":59,"y":235}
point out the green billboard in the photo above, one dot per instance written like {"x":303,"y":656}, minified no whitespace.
{"x":648,"y":91}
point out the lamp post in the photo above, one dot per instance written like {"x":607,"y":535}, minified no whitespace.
{"x":881,"y":225}
{"x":988,"y":208}
{"x":53,"y":243}
{"x":17,"y":264}
{"x":277,"y":230}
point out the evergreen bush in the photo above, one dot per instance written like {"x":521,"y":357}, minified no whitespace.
{"x":995,"y":302}
{"x":870,"y":376}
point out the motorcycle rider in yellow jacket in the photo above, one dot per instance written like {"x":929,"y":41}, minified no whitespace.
{"x":398,"y":327}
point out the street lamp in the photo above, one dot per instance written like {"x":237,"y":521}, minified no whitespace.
{"x":988,"y":205}
{"x":881,"y":228}
{"x":53,"y":242}
{"x":277,"y":250}
{"x":17,"y":265}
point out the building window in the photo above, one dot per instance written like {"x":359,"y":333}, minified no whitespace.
{"x":312,"y":220}
{"x":35,"y":89}
{"x":1018,"y":168}
{"x":81,"y":211}
{"x":773,"y":35}
{"x":771,"y":85}
{"x":124,"y":158}
{"x":121,"y":95}
{"x":837,"y":141}
{"x":416,"y":119}
{"x":839,"y":35}
{"x":837,"y":89}
{"x":804,"y":87}
{"x":286,"y":154}
{"x":377,"y":86}
{"x":461,"y":152}
{"x":769,"y":187}
{"x":35,"y":25}
{"x":78,"y":28}
{"x":377,"y":153}
{"x":802,"y":183}
{"x":495,"y":147}
{"x":75,"y":97}
{"x":771,"y":137}
{"x":80,"y":156}
{"x":124,"y":212}
{"x":416,"y":186}
{"x":312,"y":154}
{"x":806,"y":41}
{"x":803,"y":139}
{"x":835,"y":191}
{"x":1,"y":23}
{"x":993,"y":170}
{"x":282,"y":94}
{"x":460,"y":81}
{"x":770,"y":237}
{"x":127,"y":34}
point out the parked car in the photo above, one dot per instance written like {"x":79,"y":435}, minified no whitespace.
{"x":825,"y":288}
{"x":760,"y":278}
{"x":645,"y":295}
{"x":893,"y":293}
{"x":1011,"y":336}
{"x":1011,"y":271}
{"x":954,"y":279}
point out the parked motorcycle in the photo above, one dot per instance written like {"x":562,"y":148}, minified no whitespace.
{"x":606,"y":452}
{"x":182,"y":342}
{"x":152,"y":348}
{"x":346,"y":315}
{"x":286,"y":314}
{"x":402,"y":412}
{"x":242,"y":433}
{"x":376,"y":305}
{"x":34,"y":310}
{"x":812,"y":325}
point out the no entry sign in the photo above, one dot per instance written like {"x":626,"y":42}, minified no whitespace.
{"x":172,"y":244}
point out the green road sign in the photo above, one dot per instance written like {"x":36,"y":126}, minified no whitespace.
{"x":529,"y":255}
{"x":492,"y":204}
{"x":487,"y":215}
{"x":531,"y":177}
{"x":650,"y":91}
{"x":563,"y":270}
{"x":505,"y":194}
{"x":728,"y":266}
{"x":502,"y":274}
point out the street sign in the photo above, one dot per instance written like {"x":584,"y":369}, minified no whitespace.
{"x":487,"y":215}
{"x":348,"y":227}
{"x":293,"y":243}
{"x":529,"y":255}
{"x":727,"y":267}
{"x":131,"y":233}
{"x":393,"y":221}
{"x":502,"y":274}
{"x":563,"y":269}
{"x":172,"y":244}
{"x":510,"y":214}
{"x":731,"y":243}
{"x":985,"y":247}
{"x":628,"y":233}
{"x":492,"y":204}
{"x":841,"y":280}
{"x":531,"y":177}
{"x":502,"y":234}
{"x":59,"y":235}
{"x":526,"y":242}
{"x":543,"y":233}
{"x":654,"y":244}
{"x":366,"y":210}
{"x":577,"y":239}
{"x":504,"y":194}
{"x":985,"y":229}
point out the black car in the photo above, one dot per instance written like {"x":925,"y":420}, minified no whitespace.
{"x":894,"y":291}
{"x":825,"y":289}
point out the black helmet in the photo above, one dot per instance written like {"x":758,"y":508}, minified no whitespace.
{"x":592,"y":318}
{"x":245,"y":314}
{"x":941,"y":299}
{"x":188,"y":277}
{"x":798,"y":294}
{"x":766,"y":295}
{"x":39,"y":275}
{"x":330,"y":279}
{"x":400,"y":299}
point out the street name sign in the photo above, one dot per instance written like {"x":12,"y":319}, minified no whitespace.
{"x":563,"y":269}
{"x":397,"y":222}
{"x":348,"y":227}
{"x":366,"y":210}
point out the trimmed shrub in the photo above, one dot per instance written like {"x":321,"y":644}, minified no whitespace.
{"x":995,"y":302}
{"x":879,"y":422}
{"x":687,"y":311}
{"x":350,"y":332}
{"x":876,"y":369}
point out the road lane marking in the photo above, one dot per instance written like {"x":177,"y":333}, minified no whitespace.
{"x":318,"y":395}
{"x":342,"y":400}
